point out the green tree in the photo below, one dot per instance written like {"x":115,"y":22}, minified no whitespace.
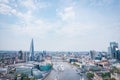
{"x":112,"y":79}
{"x":107,"y":74}
{"x":90,"y":75}
{"x":32,"y":78}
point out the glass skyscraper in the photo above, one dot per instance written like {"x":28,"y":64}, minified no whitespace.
{"x":32,"y":51}
{"x":113,"y":48}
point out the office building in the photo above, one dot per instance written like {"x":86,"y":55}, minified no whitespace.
{"x":118,"y":55}
{"x":92,"y":54}
{"x":113,"y":48}
{"x":20,"y":55}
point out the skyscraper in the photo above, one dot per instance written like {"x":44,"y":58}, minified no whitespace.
{"x":118,"y":55}
{"x":32,"y":51}
{"x":113,"y":48}
{"x":20,"y":55}
{"x":92,"y":54}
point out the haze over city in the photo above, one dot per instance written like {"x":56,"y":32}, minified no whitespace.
{"x":75,"y":25}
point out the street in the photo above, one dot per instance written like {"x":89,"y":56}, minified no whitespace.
{"x":68,"y":73}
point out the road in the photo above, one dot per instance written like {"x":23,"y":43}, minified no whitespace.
{"x":69,"y":72}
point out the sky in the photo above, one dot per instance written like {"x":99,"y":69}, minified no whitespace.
{"x":59,"y":25}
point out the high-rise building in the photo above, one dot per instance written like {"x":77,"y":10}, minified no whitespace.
{"x":27,"y":56}
{"x":113,"y":48}
{"x":92,"y":54}
{"x":44,"y":53}
{"x":118,"y":55}
{"x":109,"y":50}
{"x":20,"y":55}
{"x":32,"y":51}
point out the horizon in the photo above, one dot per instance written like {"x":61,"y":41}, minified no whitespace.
{"x":59,"y":50}
{"x":77,"y":25}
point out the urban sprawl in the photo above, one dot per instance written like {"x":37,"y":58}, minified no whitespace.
{"x":60,"y":65}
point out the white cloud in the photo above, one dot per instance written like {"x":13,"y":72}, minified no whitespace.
{"x":13,"y":11}
{"x":8,"y":10}
{"x":101,"y":2}
{"x":33,"y":4}
{"x":29,"y":4}
{"x":4,"y":1}
{"x":67,"y":13}
{"x":38,"y":28}
{"x":5,"y":9}
{"x":75,"y":29}
{"x":28,"y":24}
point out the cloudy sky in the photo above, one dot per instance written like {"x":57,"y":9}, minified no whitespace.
{"x":74,"y":25}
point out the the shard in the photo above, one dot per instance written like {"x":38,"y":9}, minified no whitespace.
{"x":32,"y":51}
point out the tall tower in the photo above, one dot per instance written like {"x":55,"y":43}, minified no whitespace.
{"x":32,"y":51}
{"x":113,"y":47}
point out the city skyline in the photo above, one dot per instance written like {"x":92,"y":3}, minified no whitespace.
{"x":62,"y":25}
